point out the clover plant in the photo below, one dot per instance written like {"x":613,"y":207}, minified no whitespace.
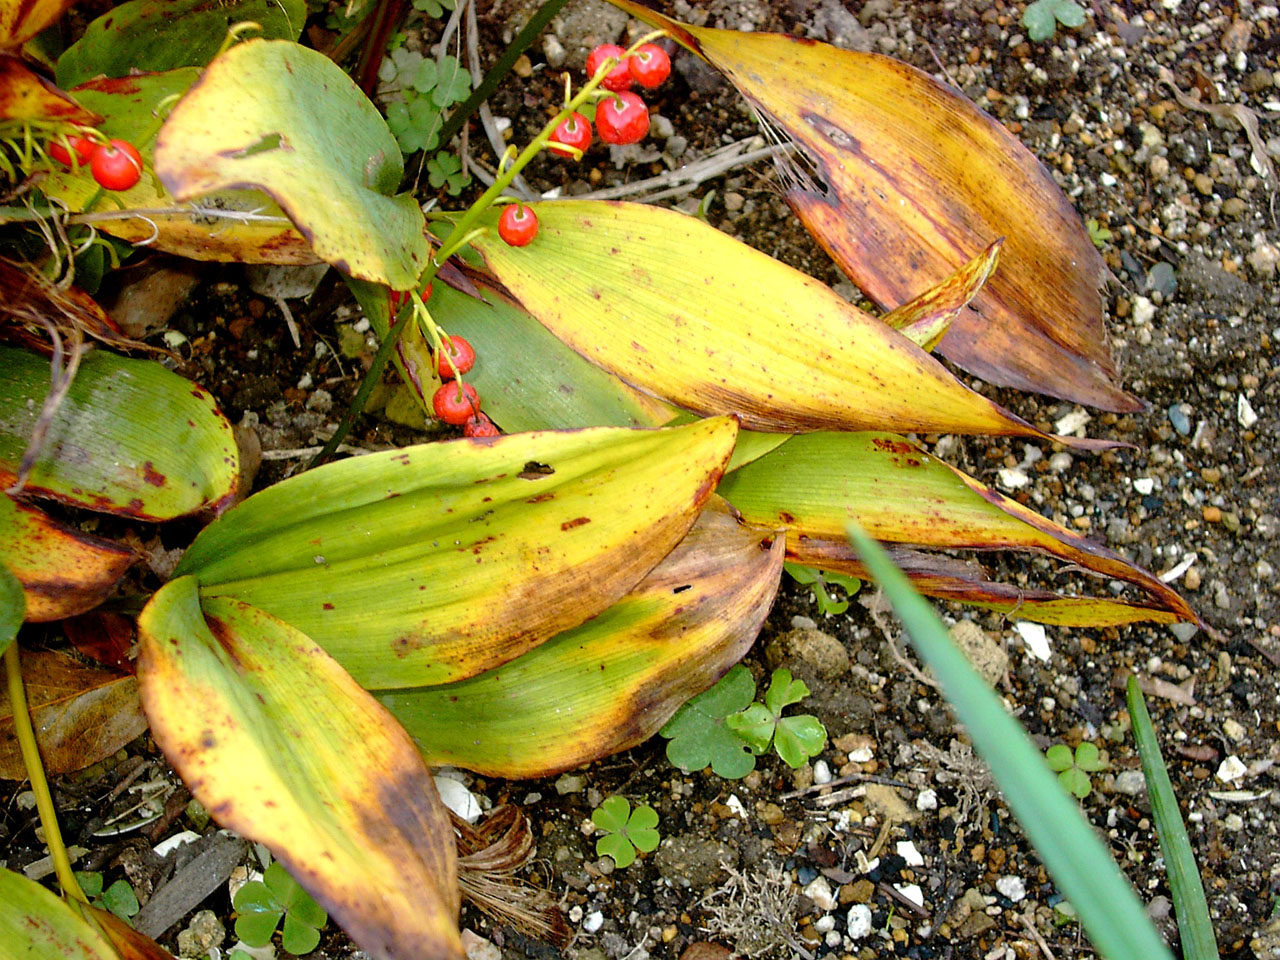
{"x":1073,"y":769}
{"x":261,"y":904}
{"x":699,"y":736}
{"x":118,"y":898}
{"x":796,"y":738}
{"x":818,"y":581}
{"x":625,"y":830}
{"x":1042,"y":17}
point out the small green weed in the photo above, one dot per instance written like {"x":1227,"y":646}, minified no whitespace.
{"x":118,"y":898}
{"x":261,"y":903}
{"x":625,"y":830}
{"x":795,"y":739}
{"x":1073,"y":770}
{"x":1099,"y":234}
{"x":1042,"y":17}
{"x":819,"y":580}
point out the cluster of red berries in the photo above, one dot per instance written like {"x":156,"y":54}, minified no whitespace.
{"x":115,"y":165}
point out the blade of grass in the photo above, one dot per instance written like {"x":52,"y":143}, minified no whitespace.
{"x":1189,"y":905}
{"x":1083,"y":869}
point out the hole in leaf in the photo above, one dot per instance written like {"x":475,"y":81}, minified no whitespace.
{"x":272,"y":141}
{"x":682,"y":588}
{"x":533,"y":470}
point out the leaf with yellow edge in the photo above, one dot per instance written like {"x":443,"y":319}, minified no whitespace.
{"x":287,"y":750}
{"x":285,"y":119}
{"x":437,"y":562}
{"x":927,"y":318}
{"x":675,"y":307}
{"x":813,"y":485}
{"x":229,"y":225}
{"x":37,"y":924}
{"x":25,"y":95}
{"x":612,"y":682}
{"x":20,"y":20}
{"x":62,"y":570}
{"x":903,"y":179}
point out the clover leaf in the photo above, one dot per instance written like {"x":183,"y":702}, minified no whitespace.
{"x":453,"y":84}
{"x":1073,"y":769}
{"x":416,"y":124}
{"x":261,"y":903}
{"x":1042,"y":17}
{"x":795,"y":739}
{"x":434,"y":8}
{"x":626,"y":831}
{"x":698,"y":733}
{"x":118,"y":898}
{"x":818,"y":580}
{"x":445,"y":170}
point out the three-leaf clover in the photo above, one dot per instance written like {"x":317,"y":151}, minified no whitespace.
{"x":118,"y":898}
{"x":1042,"y":17}
{"x":445,"y":170}
{"x":698,"y":733}
{"x":796,"y":739}
{"x":416,"y":124}
{"x":261,"y":903}
{"x":1073,"y":770}
{"x":626,"y":831}
{"x":817,"y":581}
{"x":434,"y":8}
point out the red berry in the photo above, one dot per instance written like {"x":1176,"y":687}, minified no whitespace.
{"x":480,"y":426}
{"x":573,"y":131}
{"x":397,"y":299}
{"x":456,"y":403}
{"x":117,"y":166}
{"x":619,"y":78}
{"x":463,"y":354}
{"x":622,"y":118}
{"x":518,"y":224}
{"x":426,"y":293}
{"x":649,"y":66}
{"x":83,"y":147}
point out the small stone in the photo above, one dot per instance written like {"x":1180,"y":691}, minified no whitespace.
{"x":1015,"y":888}
{"x":771,"y":814}
{"x":1035,"y":638}
{"x":204,"y":933}
{"x":733,"y":201}
{"x":1211,"y":514}
{"x":476,"y":947}
{"x":1180,"y":417}
{"x":820,"y":650}
{"x":593,"y":921}
{"x":1231,"y":769}
{"x":987,"y":656}
{"x":553,"y":50}
{"x":927,"y":800}
{"x":1234,"y":208}
{"x":1203,"y":184}
{"x":821,"y":772}
{"x":455,"y":796}
{"x":1233,"y":729}
{"x":1192,"y":579}
{"x":571,"y":783}
{"x":1144,"y":311}
{"x":859,"y":922}
{"x":1130,"y":782}
{"x":523,"y":67}
{"x":1245,"y":415}
{"x":908,"y":852}
{"x":819,"y":891}
{"x":1263,"y":260}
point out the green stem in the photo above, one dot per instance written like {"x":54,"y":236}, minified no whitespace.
{"x":35,"y":773}
{"x":498,"y":72}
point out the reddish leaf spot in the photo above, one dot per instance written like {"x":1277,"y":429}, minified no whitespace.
{"x":576,"y":522}
{"x":151,"y":475}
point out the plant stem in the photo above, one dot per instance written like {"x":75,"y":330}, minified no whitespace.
{"x":35,"y":773}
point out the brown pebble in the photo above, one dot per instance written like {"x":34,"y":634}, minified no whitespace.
{"x":1212,"y":514}
{"x":1211,"y":475}
{"x":523,"y":67}
{"x":1192,"y":579}
{"x":256,"y":309}
{"x":701,"y":950}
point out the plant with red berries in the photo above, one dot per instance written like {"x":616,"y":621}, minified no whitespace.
{"x":571,"y":137}
{"x":622,"y":118}
{"x":650,"y":66}
{"x":116,"y":166}
{"x":518,"y":225}
{"x":457,"y":358}
{"x":456,"y":402}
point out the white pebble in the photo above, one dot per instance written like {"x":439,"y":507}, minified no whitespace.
{"x":912,"y":892}
{"x":1071,"y":422}
{"x":1144,"y":311}
{"x":1144,"y":485}
{"x":1015,"y":888}
{"x":927,"y":800}
{"x":819,"y":891}
{"x":1014,"y":479}
{"x":821,"y":772}
{"x":1244,"y":412}
{"x":825,"y":922}
{"x":734,"y":804}
{"x":859,"y":922}
{"x":1033,"y":635}
{"x":1231,"y":769}
{"x":594,"y":921}
{"x":1234,"y":729}
{"x":908,"y":852}
{"x":833,"y":938}
{"x":458,"y":798}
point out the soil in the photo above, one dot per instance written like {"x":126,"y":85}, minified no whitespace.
{"x":1194,"y":316}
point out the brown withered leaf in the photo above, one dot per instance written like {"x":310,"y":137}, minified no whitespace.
{"x":25,"y":95}
{"x":81,"y":713}
{"x":903,"y":180}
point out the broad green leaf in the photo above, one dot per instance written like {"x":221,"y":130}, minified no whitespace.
{"x":238,"y":225}
{"x":1088,"y":759}
{"x":699,"y":734}
{"x":434,"y":563}
{"x":297,"y":937}
{"x":1080,"y":864}
{"x":618,"y":847}
{"x":530,"y":380}
{"x":682,"y":311}
{"x":912,"y":180}
{"x":798,"y":738}
{"x":612,"y":682}
{"x":13,"y":605}
{"x":814,"y":484}
{"x":287,"y":750}
{"x":285,"y":119}
{"x":82,"y":713}
{"x":120,"y":899}
{"x":157,"y":35}
{"x":612,"y":814}
{"x":25,"y":95}
{"x":1195,"y":928}
{"x":63,"y":570}
{"x":107,"y":449}
{"x":256,"y":927}
{"x":36,"y":924}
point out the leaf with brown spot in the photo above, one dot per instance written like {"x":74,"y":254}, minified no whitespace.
{"x":62,"y":571}
{"x":37,"y":924}
{"x":676,"y":308}
{"x":20,"y":20}
{"x":813,"y":485}
{"x":287,"y":750}
{"x":106,"y":448}
{"x":82,"y":713}
{"x":612,"y":682}
{"x":929,"y":316}
{"x":903,"y":179}
{"x":25,"y":95}
{"x":433,"y":563}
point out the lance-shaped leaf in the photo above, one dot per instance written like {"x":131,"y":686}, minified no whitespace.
{"x":236,"y":225}
{"x":82,"y":713}
{"x":286,"y":749}
{"x":36,"y":923}
{"x":62,"y":571}
{"x":677,"y":308}
{"x":107,"y":448}
{"x":13,"y":605}
{"x":927,"y":318}
{"x":155,"y":35}
{"x":612,"y":682}
{"x":20,"y":20}
{"x":813,"y":485}
{"x":277,"y":116}
{"x":434,"y":563}
{"x":25,"y":95}
{"x":903,"y":180}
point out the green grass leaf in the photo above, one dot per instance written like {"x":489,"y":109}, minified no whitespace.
{"x":1080,"y":864}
